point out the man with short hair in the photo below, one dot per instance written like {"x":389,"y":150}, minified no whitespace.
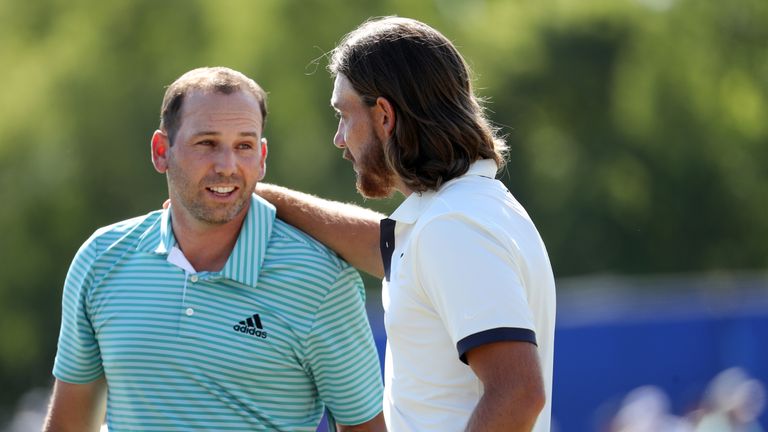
{"x":468,"y":289}
{"x":212,"y":314}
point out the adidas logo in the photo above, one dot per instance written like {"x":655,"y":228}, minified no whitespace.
{"x":251,"y":326}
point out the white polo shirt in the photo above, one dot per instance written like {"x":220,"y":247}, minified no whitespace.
{"x":467,"y":268}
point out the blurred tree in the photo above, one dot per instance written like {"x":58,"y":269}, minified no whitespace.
{"x":637,"y":128}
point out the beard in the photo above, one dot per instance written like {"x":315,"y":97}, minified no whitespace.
{"x":375,"y":178}
{"x":190,"y":196}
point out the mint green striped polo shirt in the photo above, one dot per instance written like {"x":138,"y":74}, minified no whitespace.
{"x":267,"y":343}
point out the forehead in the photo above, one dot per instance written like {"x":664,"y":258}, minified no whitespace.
{"x":205,"y":109}
{"x":343,"y":92}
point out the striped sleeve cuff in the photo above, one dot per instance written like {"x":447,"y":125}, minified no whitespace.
{"x":498,"y":334}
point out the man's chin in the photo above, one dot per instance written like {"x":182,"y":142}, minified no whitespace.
{"x":217,"y":219}
{"x":376,"y":195}
{"x":374,"y":190}
{"x":222,"y":216}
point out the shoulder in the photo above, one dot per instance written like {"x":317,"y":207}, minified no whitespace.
{"x":298,"y":267}
{"x":104,"y":248}
{"x":121,"y":236}
{"x":480,"y":220}
{"x":476,"y":211}
{"x":478,"y":196}
{"x":288,"y":243}
{"x":480,"y":201}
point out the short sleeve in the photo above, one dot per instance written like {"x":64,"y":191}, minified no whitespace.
{"x":473,"y":276}
{"x":342,"y":355}
{"x":78,"y":358}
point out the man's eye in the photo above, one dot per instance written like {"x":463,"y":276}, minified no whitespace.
{"x":204,"y":143}
{"x":245,"y":146}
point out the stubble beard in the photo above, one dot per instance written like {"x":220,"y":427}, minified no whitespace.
{"x":189,"y":196}
{"x":217,"y":215}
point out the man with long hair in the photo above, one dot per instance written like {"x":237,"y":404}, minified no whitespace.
{"x":468,"y":289}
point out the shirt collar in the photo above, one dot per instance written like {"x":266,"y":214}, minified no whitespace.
{"x":416,"y":203}
{"x":247,"y":256}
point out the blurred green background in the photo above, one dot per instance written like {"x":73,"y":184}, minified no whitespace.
{"x":638,"y":128}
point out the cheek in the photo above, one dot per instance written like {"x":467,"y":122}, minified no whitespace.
{"x":253,"y":166}
{"x":188,"y":167}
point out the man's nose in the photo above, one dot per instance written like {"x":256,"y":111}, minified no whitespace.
{"x":226,"y":162}
{"x":338,"y":139}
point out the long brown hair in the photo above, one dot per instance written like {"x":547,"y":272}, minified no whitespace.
{"x":440,"y":126}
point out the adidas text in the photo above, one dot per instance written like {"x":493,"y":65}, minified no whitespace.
{"x":250,"y":330}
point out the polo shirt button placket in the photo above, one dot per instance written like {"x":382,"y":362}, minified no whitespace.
{"x":189,"y":311}
{"x":387,"y":244}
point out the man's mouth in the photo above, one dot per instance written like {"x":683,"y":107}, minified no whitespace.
{"x":222,"y":190}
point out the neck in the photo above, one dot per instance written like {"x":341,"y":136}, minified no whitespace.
{"x":206,"y":246}
{"x":402,"y":188}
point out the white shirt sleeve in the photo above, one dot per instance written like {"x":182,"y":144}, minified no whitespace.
{"x":473,"y":277}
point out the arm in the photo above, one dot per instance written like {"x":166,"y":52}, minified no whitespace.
{"x":342,"y":357}
{"x":375,"y":424}
{"x":513,"y":387}
{"x":76,"y":407}
{"x":349,"y":230}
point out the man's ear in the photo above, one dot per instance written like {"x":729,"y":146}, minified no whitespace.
{"x":385,"y":117}
{"x":160,"y":148}
{"x":263,"y":163}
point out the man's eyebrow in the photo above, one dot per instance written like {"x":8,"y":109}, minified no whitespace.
{"x":205,"y":133}
{"x":214,"y":133}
